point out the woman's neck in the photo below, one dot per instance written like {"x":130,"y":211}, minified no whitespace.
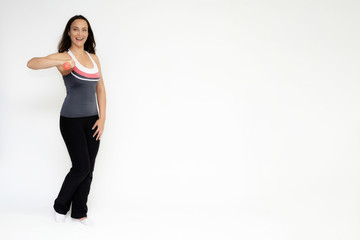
{"x":77,"y":50}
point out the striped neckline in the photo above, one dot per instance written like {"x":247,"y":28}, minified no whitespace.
{"x":82,"y":67}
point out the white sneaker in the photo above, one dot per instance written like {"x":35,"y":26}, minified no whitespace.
{"x":60,"y":218}
{"x":86,"y":221}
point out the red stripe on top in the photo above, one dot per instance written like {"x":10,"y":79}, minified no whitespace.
{"x":88,"y":75}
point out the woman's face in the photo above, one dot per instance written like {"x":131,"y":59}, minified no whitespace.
{"x":78,"y":32}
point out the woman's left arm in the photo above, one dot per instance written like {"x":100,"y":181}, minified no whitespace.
{"x":101,"y":99}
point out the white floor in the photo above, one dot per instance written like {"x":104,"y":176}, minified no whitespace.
{"x":286,"y":222}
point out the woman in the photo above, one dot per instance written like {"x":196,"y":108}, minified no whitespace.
{"x":81,"y":124}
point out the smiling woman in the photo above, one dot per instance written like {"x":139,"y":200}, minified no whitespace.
{"x":80,"y":124}
{"x":78,"y":31}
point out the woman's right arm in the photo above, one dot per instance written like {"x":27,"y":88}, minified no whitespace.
{"x":53,"y":60}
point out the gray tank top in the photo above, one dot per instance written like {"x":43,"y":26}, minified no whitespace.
{"x":80,"y":85}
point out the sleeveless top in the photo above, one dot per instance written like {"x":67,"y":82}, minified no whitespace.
{"x":80,"y":85}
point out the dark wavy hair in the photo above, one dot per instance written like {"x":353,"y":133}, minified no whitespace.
{"x":65,"y":42}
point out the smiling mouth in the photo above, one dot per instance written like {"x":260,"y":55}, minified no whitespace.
{"x":79,"y":39}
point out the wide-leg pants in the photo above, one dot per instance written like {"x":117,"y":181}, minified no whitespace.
{"x":82,"y":148}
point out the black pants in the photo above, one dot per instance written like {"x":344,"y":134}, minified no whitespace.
{"x":83,"y":148}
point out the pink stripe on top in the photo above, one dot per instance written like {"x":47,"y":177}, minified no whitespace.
{"x":88,"y":75}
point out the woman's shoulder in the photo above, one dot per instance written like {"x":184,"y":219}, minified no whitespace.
{"x":94,"y":57}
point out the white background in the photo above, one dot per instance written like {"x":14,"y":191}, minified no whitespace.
{"x":225,"y":120}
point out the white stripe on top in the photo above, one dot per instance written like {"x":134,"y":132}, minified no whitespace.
{"x":81,"y":67}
